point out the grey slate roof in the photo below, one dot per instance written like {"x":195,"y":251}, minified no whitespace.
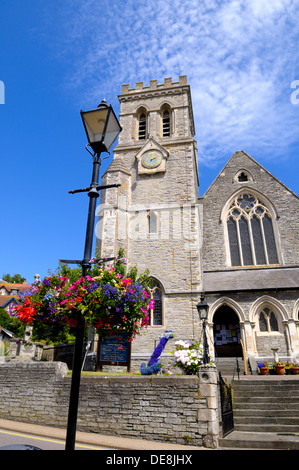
{"x":251,"y":279}
{"x":118,"y":165}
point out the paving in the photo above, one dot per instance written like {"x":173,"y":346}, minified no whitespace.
{"x":99,"y":440}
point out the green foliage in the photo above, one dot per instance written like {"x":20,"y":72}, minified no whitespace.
{"x":11,"y":323}
{"x":16,"y":278}
{"x":54,"y":334}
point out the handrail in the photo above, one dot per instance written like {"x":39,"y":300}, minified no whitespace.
{"x":236,"y":368}
{"x":244,"y":357}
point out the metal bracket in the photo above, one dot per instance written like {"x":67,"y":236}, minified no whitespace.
{"x":98,"y":188}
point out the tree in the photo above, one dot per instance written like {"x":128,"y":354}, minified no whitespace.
{"x":12,"y":324}
{"x":15,"y":279}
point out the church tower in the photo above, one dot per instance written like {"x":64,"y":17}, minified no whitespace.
{"x":154,"y":215}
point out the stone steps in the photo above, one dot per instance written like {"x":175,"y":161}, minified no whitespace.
{"x":266,"y":413}
{"x":260,"y":441}
{"x":283,"y":411}
{"x":227,"y":366}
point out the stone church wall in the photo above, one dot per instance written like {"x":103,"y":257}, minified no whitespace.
{"x":284,"y":201}
{"x":180,"y":409}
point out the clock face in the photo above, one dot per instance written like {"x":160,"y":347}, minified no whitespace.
{"x":151,"y":159}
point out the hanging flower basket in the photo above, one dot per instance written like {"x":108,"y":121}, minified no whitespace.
{"x":110,"y":302}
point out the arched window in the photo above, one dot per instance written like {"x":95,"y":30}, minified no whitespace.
{"x":250,"y":232}
{"x":156,"y":314}
{"x":166,"y":123}
{"x":142,"y":127}
{"x":267,"y":321}
{"x":242,"y":177}
{"x":152,"y":222}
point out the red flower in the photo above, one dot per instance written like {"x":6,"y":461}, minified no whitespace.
{"x":26,"y":311}
{"x":126,"y":281}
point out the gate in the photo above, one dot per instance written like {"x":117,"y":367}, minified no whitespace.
{"x":226,"y":406}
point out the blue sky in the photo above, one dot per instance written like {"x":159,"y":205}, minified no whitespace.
{"x":60,"y":56}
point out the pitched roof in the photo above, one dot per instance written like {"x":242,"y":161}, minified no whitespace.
{"x":118,"y":165}
{"x":6,"y":299}
{"x":246,"y":155}
{"x":9,"y":286}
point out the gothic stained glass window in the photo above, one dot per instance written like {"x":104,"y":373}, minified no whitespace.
{"x":268,"y":321}
{"x":156,"y":314}
{"x":157,"y":311}
{"x":250,"y":232}
{"x":263,"y":322}
{"x":245,"y":240}
{"x":270,"y":239}
{"x":233,"y":242}
{"x":258,"y":240}
{"x":273,"y":322}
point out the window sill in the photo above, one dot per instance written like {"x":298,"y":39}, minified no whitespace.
{"x":269,"y":333}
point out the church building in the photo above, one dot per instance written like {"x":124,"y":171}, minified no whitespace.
{"x":238,"y":243}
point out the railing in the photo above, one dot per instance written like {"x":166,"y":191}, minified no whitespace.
{"x":226,"y":406}
{"x":236,"y":369}
{"x":244,"y":357}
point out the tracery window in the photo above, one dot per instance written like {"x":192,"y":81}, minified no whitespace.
{"x":267,"y":321}
{"x":250,"y":232}
{"x":156,"y":314}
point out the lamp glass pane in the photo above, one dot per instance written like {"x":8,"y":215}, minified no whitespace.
{"x":112,"y":131}
{"x":95,"y":124}
{"x":203,"y":313}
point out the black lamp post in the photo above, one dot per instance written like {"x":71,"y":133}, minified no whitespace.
{"x":102,"y":128}
{"x":203,"y":310}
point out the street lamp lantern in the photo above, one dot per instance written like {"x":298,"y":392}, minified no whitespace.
{"x":203,"y":311}
{"x":101,"y":127}
{"x":202,"y":308}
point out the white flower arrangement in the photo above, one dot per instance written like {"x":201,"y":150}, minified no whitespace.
{"x":188,"y":356}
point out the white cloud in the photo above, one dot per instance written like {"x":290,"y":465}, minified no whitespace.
{"x":240,"y":58}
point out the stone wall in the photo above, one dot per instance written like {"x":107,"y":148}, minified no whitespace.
{"x":180,"y":409}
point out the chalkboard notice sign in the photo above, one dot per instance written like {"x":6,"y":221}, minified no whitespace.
{"x":114,"y":351}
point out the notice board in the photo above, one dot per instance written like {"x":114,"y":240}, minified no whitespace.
{"x":114,"y":351}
